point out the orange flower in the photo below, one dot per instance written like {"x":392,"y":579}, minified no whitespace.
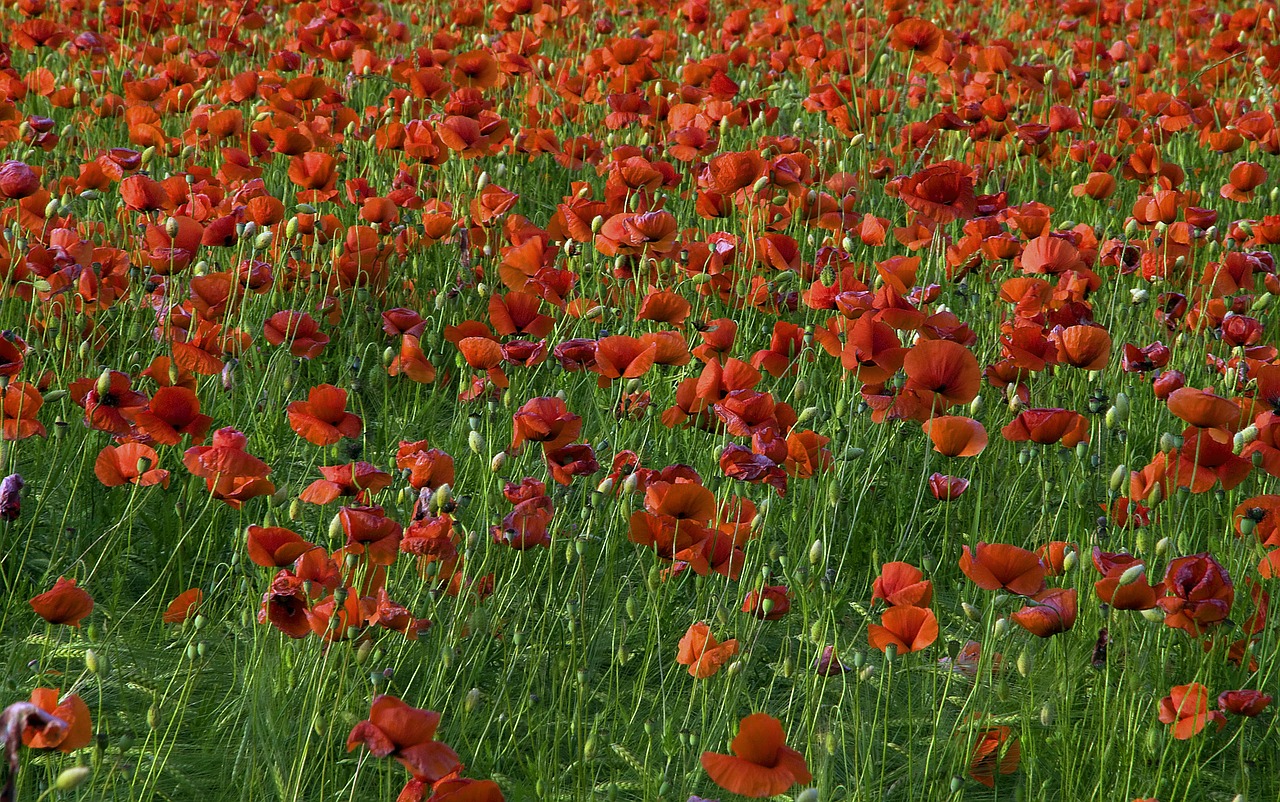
{"x":131,"y":463}
{"x":909,"y":629}
{"x":762,"y":765}
{"x":956,"y":436}
{"x":1186,"y":710}
{"x":394,"y":729}
{"x":72,"y":710}
{"x":275,"y":546}
{"x":180,"y":608}
{"x":995,"y":566}
{"x":701,"y":653}
{"x":902,"y":584}
{"x":63,"y":604}
{"x":994,"y":751}
{"x":1054,"y":612}
{"x":323,"y":418}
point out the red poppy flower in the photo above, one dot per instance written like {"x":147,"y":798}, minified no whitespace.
{"x":1186,"y":710}
{"x":942,"y":192}
{"x":623,"y":357}
{"x":947,"y":488}
{"x":908,"y":629}
{"x":298,"y":329}
{"x":184,"y":603}
{"x":1200,"y":594}
{"x":996,"y":750}
{"x":225,"y":457}
{"x":1053,"y":612}
{"x":1046,"y":426}
{"x":993,"y":566}
{"x":956,"y":436}
{"x":413,"y":362}
{"x":275,"y":546}
{"x":356,"y":479}
{"x":944,"y":373}
{"x":700,"y":651}
{"x":131,"y":463}
{"x":902,"y":584}
{"x":19,"y":403}
{"x":544,"y":420}
{"x":394,"y":729}
{"x":110,"y":403}
{"x":1244,"y":703}
{"x":63,"y":604}
{"x":72,"y":711}
{"x":1085,"y":347}
{"x":1134,"y":593}
{"x":566,"y":462}
{"x":171,"y":413}
{"x":428,"y":467}
{"x":323,"y":418}
{"x":762,"y":765}
{"x":1203,"y":409}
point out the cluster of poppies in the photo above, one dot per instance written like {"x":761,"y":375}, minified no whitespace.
{"x":751,"y":227}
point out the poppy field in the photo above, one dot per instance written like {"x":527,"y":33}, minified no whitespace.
{"x":681,"y":400}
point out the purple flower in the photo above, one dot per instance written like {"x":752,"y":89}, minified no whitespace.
{"x":10,"y":502}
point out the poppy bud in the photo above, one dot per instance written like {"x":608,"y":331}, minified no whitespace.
{"x":1244,"y":437}
{"x":816,"y":553}
{"x":957,"y":782}
{"x":869,"y":671}
{"x":632,"y":481}
{"x":475,"y":441}
{"x":228,"y":377}
{"x":1131,"y":228}
{"x":72,"y":778}
{"x":1132,"y":574}
{"x":1001,"y":628}
{"x":482,"y":290}
{"x":1024,"y":663}
{"x":103,"y":387}
{"x":1070,"y":560}
{"x":1154,"y":615}
{"x":498,"y":462}
{"x":970,"y":612}
{"x":1162,"y":546}
{"x":1262,"y":303}
{"x":606,"y":486}
{"x":262,"y":241}
{"x":482,"y":181}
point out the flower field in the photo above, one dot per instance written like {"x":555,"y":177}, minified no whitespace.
{"x":595,"y":400}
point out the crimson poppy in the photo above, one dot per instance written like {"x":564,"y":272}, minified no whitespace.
{"x":130,"y":463}
{"x":1199,"y":591}
{"x":762,"y":765}
{"x":395,"y":729}
{"x":1053,"y":612}
{"x":995,"y":750}
{"x":907,"y":628}
{"x":64,"y":603}
{"x":995,"y":566}
{"x":71,"y":710}
{"x":947,"y":488}
{"x":902,"y":584}
{"x":275,"y":546}
{"x":1247,"y":703}
{"x":956,"y":436}
{"x":1186,"y":710}
{"x":323,"y":418}
{"x":183,"y":604}
{"x":702,"y":653}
